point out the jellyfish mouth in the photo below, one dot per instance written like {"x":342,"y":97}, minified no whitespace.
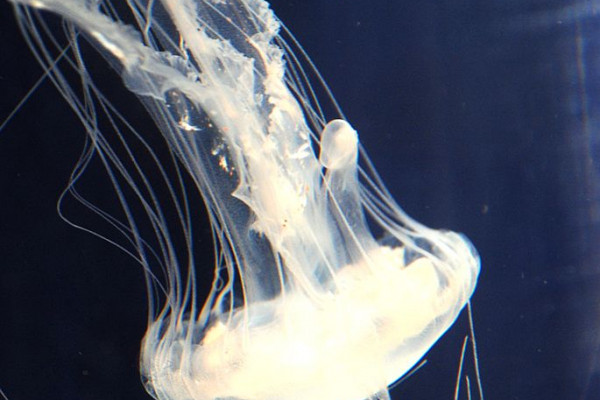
{"x":348,"y":344}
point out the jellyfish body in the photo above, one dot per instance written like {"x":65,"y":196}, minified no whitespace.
{"x":306,"y":303}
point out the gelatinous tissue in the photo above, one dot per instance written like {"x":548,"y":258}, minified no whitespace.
{"x":306,"y":303}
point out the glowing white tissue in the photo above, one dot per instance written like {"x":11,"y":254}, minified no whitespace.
{"x":306,"y":303}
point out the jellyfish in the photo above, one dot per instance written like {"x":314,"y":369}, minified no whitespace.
{"x":323,"y":288}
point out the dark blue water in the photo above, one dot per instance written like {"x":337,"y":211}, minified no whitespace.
{"x":481,"y":117}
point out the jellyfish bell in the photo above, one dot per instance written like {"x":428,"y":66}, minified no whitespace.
{"x":306,"y":303}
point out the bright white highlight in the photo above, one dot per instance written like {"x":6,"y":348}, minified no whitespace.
{"x":306,"y":303}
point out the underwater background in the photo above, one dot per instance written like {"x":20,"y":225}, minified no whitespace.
{"x":481,"y":117}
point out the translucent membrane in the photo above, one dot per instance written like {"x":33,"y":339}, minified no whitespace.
{"x":306,"y":303}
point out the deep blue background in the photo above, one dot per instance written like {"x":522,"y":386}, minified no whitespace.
{"x":482,"y":117}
